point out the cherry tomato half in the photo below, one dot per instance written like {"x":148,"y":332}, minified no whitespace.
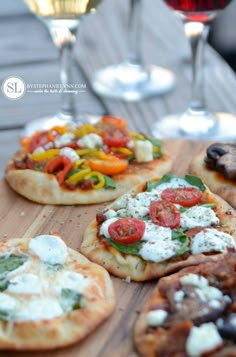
{"x":116,"y":137}
{"x":184,"y":196}
{"x":126,"y":230}
{"x":165,"y":214}
{"x":110,"y":121}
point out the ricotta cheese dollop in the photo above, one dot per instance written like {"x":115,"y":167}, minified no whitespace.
{"x":198,"y":216}
{"x":212,"y":240}
{"x":50,"y":249}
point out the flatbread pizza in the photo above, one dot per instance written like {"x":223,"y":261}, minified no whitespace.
{"x":161,"y":226}
{"x":217,"y":167}
{"x":84,"y":164}
{"x":191,"y":313}
{"x":50,"y":295}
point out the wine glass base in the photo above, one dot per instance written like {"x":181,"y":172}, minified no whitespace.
{"x":168,"y":127}
{"x":125,"y":82}
{"x":49,"y":122}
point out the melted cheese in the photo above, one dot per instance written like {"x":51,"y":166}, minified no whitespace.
{"x":160,"y":247}
{"x":25,"y":284}
{"x":39,"y":309}
{"x":50,"y":249}
{"x":212,"y":240}
{"x":90,"y":141}
{"x":203,"y":339}
{"x":143,"y":151}
{"x":198,"y":216}
{"x":71,"y":280}
{"x":70,"y":153}
{"x":156,"y":317}
{"x":7,"y":303}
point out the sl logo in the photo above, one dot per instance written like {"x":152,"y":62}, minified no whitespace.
{"x":13,"y":88}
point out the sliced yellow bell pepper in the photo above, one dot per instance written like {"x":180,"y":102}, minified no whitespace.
{"x":84,"y":130}
{"x":155,"y":149}
{"x":101,"y":180}
{"x":136,"y":136}
{"x":86,"y":152}
{"x":78,"y":163}
{"x":78,"y":176}
{"x":122,"y":150}
{"x":46,"y":155}
{"x":102,"y":156}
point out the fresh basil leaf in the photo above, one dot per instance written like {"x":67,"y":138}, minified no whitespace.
{"x":109,"y":182}
{"x":209,"y":205}
{"x":11,"y":262}
{"x":178,"y":234}
{"x":153,"y":184}
{"x":195,"y":181}
{"x":72,"y":172}
{"x":132,"y":249}
{"x":182,"y":209}
{"x":3,"y":284}
{"x":5,"y":315}
{"x":70,"y":299}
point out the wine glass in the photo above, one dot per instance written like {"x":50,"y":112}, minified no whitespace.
{"x":131,"y":80}
{"x":62,"y":18}
{"x":197,"y":122}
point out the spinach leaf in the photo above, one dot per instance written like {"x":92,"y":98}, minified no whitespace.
{"x":182,"y":209}
{"x":109,"y":182}
{"x":132,"y":249}
{"x":153,"y":184}
{"x":70,"y":299}
{"x":5,"y":315}
{"x":3,"y":284}
{"x":195,"y":181}
{"x":178,"y":234}
{"x":11,"y":262}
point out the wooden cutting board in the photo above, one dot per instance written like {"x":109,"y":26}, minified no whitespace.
{"x":22,"y":218}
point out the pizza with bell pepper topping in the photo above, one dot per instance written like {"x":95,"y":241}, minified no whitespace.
{"x":191,"y":313}
{"x":161,"y":226}
{"x":84,"y":164}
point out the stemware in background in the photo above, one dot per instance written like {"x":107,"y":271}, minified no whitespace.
{"x":197,"y":122}
{"x":131,"y":80}
{"x":62,"y":18}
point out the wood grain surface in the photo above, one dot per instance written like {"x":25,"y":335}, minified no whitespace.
{"x":22,"y":218}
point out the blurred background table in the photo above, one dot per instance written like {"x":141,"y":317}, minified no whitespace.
{"x":27,"y":51}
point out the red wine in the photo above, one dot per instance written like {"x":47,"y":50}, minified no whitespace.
{"x":197,"y":5}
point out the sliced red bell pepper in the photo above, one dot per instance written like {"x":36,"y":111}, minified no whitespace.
{"x":60,"y":164}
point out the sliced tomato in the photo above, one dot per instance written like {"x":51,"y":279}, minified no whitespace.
{"x":109,"y":121}
{"x":184,"y":196}
{"x":165,"y":214}
{"x":106,"y":167}
{"x":126,"y":230}
{"x":116,"y":137}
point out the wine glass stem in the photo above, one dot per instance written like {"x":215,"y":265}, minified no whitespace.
{"x":134,"y":33}
{"x":197,"y":34}
{"x":66,"y":75}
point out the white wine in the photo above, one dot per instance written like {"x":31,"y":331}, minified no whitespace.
{"x":62,"y":9}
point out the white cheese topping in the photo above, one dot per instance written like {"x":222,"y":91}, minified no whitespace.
{"x":7,"y":303}
{"x":195,"y":280}
{"x":105,"y":225}
{"x":70,"y":153}
{"x":90,"y":141}
{"x":160,"y":247}
{"x":178,"y":295}
{"x":71,"y":280}
{"x":198,"y":216}
{"x":143,"y":151}
{"x":25,"y":284}
{"x":203,"y":339}
{"x":50,"y":249}
{"x":156,"y":317}
{"x":209,"y":293}
{"x":110,"y":214}
{"x":63,"y":139}
{"x":212,"y":240}
{"x":39,"y":309}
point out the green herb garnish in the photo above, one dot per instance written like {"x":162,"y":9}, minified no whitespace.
{"x":10,"y":262}
{"x":192,"y":180}
{"x":132,"y":249}
{"x":71,"y":300}
{"x":178,"y":234}
{"x":109,"y":182}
